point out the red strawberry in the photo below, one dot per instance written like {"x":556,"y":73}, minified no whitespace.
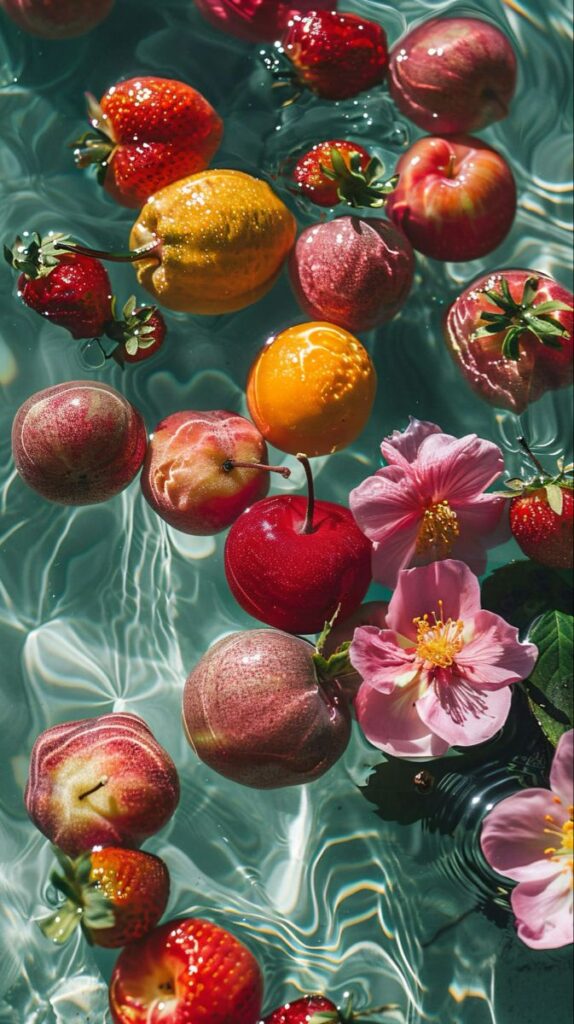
{"x":116,"y":895}
{"x":139,"y":333}
{"x":69,"y":289}
{"x":511,"y":333}
{"x":188,"y":971}
{"x":341,"y":172}
{"x":148,"y":133}
{"x":320,"y":1010}
{"x":542,"y":515}
{"x":336,"y":55}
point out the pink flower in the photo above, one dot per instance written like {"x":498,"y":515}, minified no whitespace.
{"x":428,"y":503}
{"x":440,"y":674}
{"x":528,"y":837}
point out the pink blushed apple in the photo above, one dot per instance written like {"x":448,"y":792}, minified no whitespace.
{"x":256,"y":711}
{"x":453,"y":75}
{"x":78,"y":443}
{"x":202,"y":469}
{"x":456,"y":197}
{"x":100,"y":782}
{"x":57,"y":19}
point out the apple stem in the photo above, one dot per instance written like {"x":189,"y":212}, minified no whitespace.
{"x":230,"y":464}
{"x":152,"y":248}
{"x":525,"y":447}
{"x":308,"y":527}
{"x":104,"y":779}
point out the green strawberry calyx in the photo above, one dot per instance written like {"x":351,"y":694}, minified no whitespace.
{"x":33,"y":255}
{"x":357,"y":187}
{"x":526,"y":316}
{"x":85,"y":904}
{"x":97,"y":145}
{"x":346,"y":1014}
{"x":553,"y":484}
{"x":134,"y":330}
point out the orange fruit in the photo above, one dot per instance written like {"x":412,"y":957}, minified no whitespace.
{"x":311,"y":389}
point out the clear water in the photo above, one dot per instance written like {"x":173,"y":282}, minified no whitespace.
{"x":356,"y":882}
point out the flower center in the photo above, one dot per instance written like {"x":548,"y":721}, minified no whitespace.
{"x":563,"y":835}
{"x":438,"y":530}
{"x":439,"y":642}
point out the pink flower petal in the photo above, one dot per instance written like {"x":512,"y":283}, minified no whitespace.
{"x":495,"y":656}
{"x":461,"y":715}
{"x":481,"y":516}
{"x":562,"y":772}
{"x":457,"y":469}
{"x":390,"y":722}
{"x":379,"y":659}
{"x":401,"y":448}
{"x":392,"y":554}
{"x":543,"y":911}
{"x":513,"y":838}
{"x":419,"y":591}
{"x":381,"y":505}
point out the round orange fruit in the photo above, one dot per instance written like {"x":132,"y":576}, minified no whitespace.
{"x":311,"y":389}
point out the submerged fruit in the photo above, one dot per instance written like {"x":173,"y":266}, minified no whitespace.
{"x":222,"y":239}
{"x":311,"y":389}
{"x":57,"y":19}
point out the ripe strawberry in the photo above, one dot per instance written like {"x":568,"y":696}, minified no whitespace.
{"x":336,"y":55}
{"x":147,"y":133}
{"x":116,"y":896}
{"x":69,"y":289}
{"x":188,"y":971}
{"x":139,"y":333}
{"x":341,"y":172}
{"x":320,"y":1010}
{"x":542,"y":515}
{"x":511,"y":333}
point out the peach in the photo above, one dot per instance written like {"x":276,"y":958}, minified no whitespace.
{"x":78,"y":443}
{"x":100,"y":782}
{"x":256,"y":711}
{"x":202,"y":469}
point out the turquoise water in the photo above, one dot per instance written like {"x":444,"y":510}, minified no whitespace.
{"x":356,"y":882}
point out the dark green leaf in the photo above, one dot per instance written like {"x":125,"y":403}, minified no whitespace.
{"x":551,"y":728}
{"x":510,"y":345}
{"x":551,"y":683}
{"x":523,"y":590}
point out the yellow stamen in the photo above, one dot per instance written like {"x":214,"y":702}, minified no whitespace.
{"x":563,"y":854}
{"x":439,"y":642}
{"x":438,"y":530}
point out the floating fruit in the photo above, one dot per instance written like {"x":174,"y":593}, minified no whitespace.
{"x":353,"y":271}
{"x":146,"y":133}
{"x":78,"y":443}
{"x":257,"y":710}
{"x":256,"y":20}
{"x":57,"y":19}
{"x":542,"y":515}
{"x":311,"y":389}
{"x":339,"y":171}
{"x":202,"y":469}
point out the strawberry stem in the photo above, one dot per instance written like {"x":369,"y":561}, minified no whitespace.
{"x":230,"y":464}
{"x":152,"y":248}
{"x":100,"y":785}
{"x":308,"y":526}
{"x":536,"y":462}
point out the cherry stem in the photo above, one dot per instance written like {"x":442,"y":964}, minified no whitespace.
{"x":525,"y":447}
{"x":230,"y":464}
{"x":308,"y":527}
{"x":94,"y":789}
{"x":152,"y":248}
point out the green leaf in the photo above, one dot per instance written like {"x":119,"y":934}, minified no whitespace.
{"x":551,"y":684}
{"x":552,"y":729}
{"x":522,"y":591}
{"x":555,"y":498}
{"x":510,"y":345}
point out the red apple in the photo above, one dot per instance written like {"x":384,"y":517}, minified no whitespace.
{"x":456,"y":197}
{"x":57,"y":19}
{"x":257,"y":20}
{"x":257,"y":711}
{"x":100,"y":782}
{"x":453,"y":75}
{"x":352,"y":271}
{"x":202,"y":469}
{"x":511,"y":332}
{"x":291,"y":563}
{"x":187,"y":971}
{"x":78,"y":443}
{"x":372,"y":613}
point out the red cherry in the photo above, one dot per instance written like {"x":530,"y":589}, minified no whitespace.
{"x":290,"y":562}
